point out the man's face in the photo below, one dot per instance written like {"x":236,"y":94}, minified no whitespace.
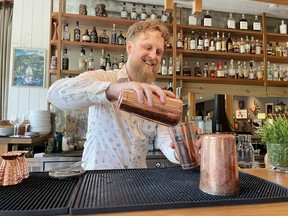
{"x":145,"y":53}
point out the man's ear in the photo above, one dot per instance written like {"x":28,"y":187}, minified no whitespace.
{"x":129,"y":47}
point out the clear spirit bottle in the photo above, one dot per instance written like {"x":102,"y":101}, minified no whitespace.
{"x":170,"y":66}
{"x":283,"y":27}
{"x":231,"y":22}
{"x":192,"y":19}
{"x":82,"y":60}
{"x":164,"y":70}
{"x":124,"y":12}
{"x":103,"y":60}
{"x":91,"y":61}
{"x":153,"y":13}
{"x":77,"y":32}
{"x":164,"y":17}
{"x":144,"y":13}
{"x":134,"y":14}
{"x":66,"y":33}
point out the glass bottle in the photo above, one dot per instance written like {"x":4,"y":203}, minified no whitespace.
{"x":269,"y":48}
{"x":218,"y":43}
{"x":124,"y":12}
{"x":91,"y":61}
{"x":192,"y":42}
{"x":247,"y":45}
{"x":256,"y":24}
{"x":219,"y":70}
{"x":170,"y":66}
{"x":245,"y":151}
{"x":212,"y":46}
{"x":113,"y":35}
{"x":236,"y":46}
{"x":251,"y":71}
{"x":229,"y":43}
{"x":245,"y":71}
{"x":197,"y":70}
{"x":104,"y":38}
{"x":94,"y":35}
{"x":243,"y":23}
{"x":164,"y":17}
{"x":242,"y":45}
{"x":207,"y":20}
{"x":170,"y":88}
{"x":122,"y":61}
{"x":65,"y":60}
{"x":164,"y":70}
{"x":206,"y":70}
{"x":177,"y":66}
{"x":186,"y":70}
{"x":120,"y":39}
{"x":212,"y":70}
{"x":206,"y":42}
{"x":252,"y":45}
{"x":232,"y":72}
{"x":192,"y":19}
{"x":66,"y":34}
{"x":239,"y":71}
{"x":179,"y":42}
{"x":283,"y":27}
{"x":144,"y":13}
{"x":285,"y":50}
{"x":278,"y":50}
{"x":260,"y":71}
{"x":231,"y":22}
{"x":199,"y":42}
{"x":153,"y":15}
{"x":82,"y":60}
{"x":269,"y":71}
{"x":258,"y":48}
{"x":103,"y":60}
{"x":86,"y":36}
{"x":115,"y":64}
{"x":108,"y":65}
{"x":223,"y":43}
{"x":275,"y":72}
{"x":134,"y":14}
{"x":77,"y":32}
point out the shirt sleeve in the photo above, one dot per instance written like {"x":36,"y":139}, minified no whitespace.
{"x":82,"y":91}
{"x":163,"y":141}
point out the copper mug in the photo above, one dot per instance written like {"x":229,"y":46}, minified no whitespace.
{"x":219,"y":168}
{"x":168,"y":114}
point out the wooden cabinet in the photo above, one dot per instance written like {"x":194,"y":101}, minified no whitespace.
{"x":194,"y":85}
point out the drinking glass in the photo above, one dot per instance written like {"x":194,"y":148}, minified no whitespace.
{"x":15,"y":121}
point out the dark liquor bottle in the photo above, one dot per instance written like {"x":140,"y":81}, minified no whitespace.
{"x":207,"y":20}
{"x":86,"y":36}
{"x":133,"y":15}
{"x":192,"y":42}
{"x":113,"y":35}
{"x":124,"y":12}
{"x":104,"y":38}
{"x":65,"y":60}
{"x":197,"y":70}
{"x":243,"y":23}
{"x":206,"y":70}
{"x":170,"y":88}
{"x":77,"y":32}
{"x":200,"y":42}
{"x":206,"y":42}
{"x":186,"y":70}
{"x":229,"y":43}
{"x":120,"y":39}
{"x":94,"y":35}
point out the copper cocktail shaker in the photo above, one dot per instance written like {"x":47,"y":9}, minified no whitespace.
{"x":219,"y":168}
{"x":168,"y":114}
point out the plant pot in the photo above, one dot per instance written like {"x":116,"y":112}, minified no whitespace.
{"x":277,"y":157}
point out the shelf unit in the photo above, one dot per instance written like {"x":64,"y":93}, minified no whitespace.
{"x":193,"y":85}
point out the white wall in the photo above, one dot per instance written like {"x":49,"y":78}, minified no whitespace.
{"x":31,"y":20}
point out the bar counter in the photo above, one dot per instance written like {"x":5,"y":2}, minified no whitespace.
{"x":278,"y":208}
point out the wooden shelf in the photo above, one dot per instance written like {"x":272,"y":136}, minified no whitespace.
{"x":278,"y":83}
{"x":276,"y":59}
{"x":277,"y":37}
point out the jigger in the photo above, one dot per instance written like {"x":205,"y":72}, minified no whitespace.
{"x":10,"y":172}
{"x":219,"y":168}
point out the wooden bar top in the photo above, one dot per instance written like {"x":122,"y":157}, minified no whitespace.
{"x":268,"y":209}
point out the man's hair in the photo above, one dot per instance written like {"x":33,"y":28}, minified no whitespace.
{"x":146,"y":26}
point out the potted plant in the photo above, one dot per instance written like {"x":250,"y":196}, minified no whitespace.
{"x":274,"y":134}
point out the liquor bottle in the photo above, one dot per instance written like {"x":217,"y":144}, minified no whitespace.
{"x":251,"y":71}
{"x":219,"y":70}
{"x":192,"y":19}
{"x":252,"y":46}
{"x":278,"y":50}
{"x":223,"y":43}
{"x":231,"y":22}
{"x":153,"y":15}
{"x":144,"y":13}
{"x":212,"y":46}
{"x":197,"y":70}
{"x":239,"y":71}
{"x":242,"y":45}
{"x":192,"y":42}
{"x":170,"y":88}
{"x":179,"y":42}
{"x":91,"y":61}
{"x":103,"y":60}
{"x":120,"y":39}
{"x":258,"y":48}
{"x":243,"y":24}
{"x":65,"y":60}
{"x":226,"y":70}
{"x":285,"y":50}
{"x":269,"y":71}
{"x":164,"y":70}
{"x":256,"y":24}
{"x":199,"y":42}
{"x":186,"y":70}
{"x":86,"y":36}
{"x":229,"y":43}
{"x":260,"y":71}
{"x":82,"y":60}
{"x":177,"y":66}
{"x":115,"y":64}
{"x":164,"y":17}
{"x":281,"y":73}
{"x":236,"y":47}
{"x":94,"y":35}
{"x":124,"y":12}
{"x":77,"y":32}
{"x":245,"y":71}
{"x":247,"y":45}
{"x":218,"y":43}
{"x":212,"y":70}
{"x":206,"y":70}
{"x":170,"y":66}
{"x":113,"y":35}
{"x":108,"y":65}
{"x":104,"y":38}
{"x":283,"y":27}
{"x":122,"y":61}
{"x":269,"y":48}
{"x":185,"y":43}
{"x":207,"y":20}
{"x":134,"y":14}
{"x":206,"y":42}
{"x":275,"y":72}
{"x":66,"y":34}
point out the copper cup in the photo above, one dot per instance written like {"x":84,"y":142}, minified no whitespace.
{"x":168,"y":114}
{"x":22,"y":163}
{"x":10,"y":172}
{"x":219,"y":168}
{"x":184,"y":136}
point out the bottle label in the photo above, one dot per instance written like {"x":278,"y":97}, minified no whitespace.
{"x":164,"y":18}
{"x":170,"y":71}
{"x":179,"y":44}
{"x":153,"y":16}
{"x":133,"y":15}
{"x":208,"y":22}
{"x":200,"y":45}
{"x":164,"y":70}
{"x":192,"y":20}
{"x":124,"y":14}
{"x":283,"y":29}
{"x":86,"y":38}
{"x":113,"y":38}
{"x":243,"y":25}
{"x":231,"y":24}
{"x":218,"y":45}
{"x":206,"y":42}
{"x":192,"y":44}
{"x":257,"y":26}
{"x":143,"y":16}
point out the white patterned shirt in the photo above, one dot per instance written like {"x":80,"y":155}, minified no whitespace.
{"x":115,"y":139}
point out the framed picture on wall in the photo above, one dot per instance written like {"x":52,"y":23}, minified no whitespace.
{"x":28,"y":68}
{"x":269,"y":108}
{"x":241,"y":114}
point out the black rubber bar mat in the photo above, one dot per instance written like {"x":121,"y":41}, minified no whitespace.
{"x":38,"y":195}
{"x":166,"y":188}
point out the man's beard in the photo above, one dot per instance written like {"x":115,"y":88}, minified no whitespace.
{"x":145,"y":74}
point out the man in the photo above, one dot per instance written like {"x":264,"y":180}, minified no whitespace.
{"x":117,"y":139}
